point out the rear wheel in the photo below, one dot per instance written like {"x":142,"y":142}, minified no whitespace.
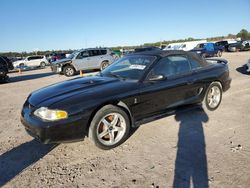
{"x":69,"y":70}
{"x":42,"y":64}
{"x":213,"y":96}
{"x":110,"y":127}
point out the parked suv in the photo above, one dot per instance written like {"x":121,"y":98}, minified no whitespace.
{"x":32,"y":61}
{"x":85,"y":59}
{"x":208,"y":49}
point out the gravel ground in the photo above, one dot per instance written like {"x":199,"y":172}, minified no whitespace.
{"x":192,"y":148}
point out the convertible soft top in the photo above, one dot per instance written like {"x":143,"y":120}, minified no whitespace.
{"x":162,"y":53}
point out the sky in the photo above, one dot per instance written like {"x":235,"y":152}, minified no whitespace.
{"x":30,"y":25}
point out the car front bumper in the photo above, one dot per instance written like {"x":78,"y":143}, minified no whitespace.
{"x":56,"y":69}
{"x":68,"y":130}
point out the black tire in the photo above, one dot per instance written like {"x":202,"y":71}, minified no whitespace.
{"x":219,"y":53}
{"x":69,"y":71}
{"x":104,"y":65}
{"x":42,"y":64}
{"x":96,"y":121}
{"x":206,"y":101}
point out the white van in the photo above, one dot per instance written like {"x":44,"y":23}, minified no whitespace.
{"x":187,"y":46}
{"x":173,"y":46}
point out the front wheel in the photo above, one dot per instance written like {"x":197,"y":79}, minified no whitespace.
{"x":213,"y":96}
{"x":69,"y":71}
{"x":104,"y":65}
{"x":110,"y":127}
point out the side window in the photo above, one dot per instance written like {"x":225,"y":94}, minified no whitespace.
{"x":94,"y":52}
{"x":171,"y":66}
{"x":82,"y":55}
{"x":103,"y":52}
{"x":194,"y":63}
{"x":31,"y":58}
{"x":37,"y":57}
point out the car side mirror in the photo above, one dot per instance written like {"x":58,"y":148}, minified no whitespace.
{"x":156,"y":77}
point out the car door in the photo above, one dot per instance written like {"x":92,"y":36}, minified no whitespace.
{"x":174,"y":90}
{"x":210,"y":49}
{"x":95,"y":58}
{"x":82,"y":61}
{"x":36,"y":61}
{"x":33,"y":61}
{"x":29,"y":61}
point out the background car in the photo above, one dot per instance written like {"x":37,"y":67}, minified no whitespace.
{"x":243,"y":45}
{"x":128,"y":93}
{"x":208,"y":49}
{"x":6,"y":60}
{"x":147,"y":48}
{"x":85,"y":59}
{"x":57,"y":56}
{"x":3,"y":69}
{"x":32,"y":61}
{"x":225,"y":43}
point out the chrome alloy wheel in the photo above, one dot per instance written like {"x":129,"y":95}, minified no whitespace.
{"x":214,"y":97}
{"x":69,"y":71}
{"x":111,"y":129}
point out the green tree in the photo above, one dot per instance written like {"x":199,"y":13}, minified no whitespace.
{"x":243,"y":34}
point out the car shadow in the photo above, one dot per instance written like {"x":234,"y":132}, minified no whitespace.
{"x":19,"y":158}
{"x":242,"y":70}
{"x":29,"y":77}
{"x":191,"y":159}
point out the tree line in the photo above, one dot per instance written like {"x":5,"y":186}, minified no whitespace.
{"x":243,"y":34}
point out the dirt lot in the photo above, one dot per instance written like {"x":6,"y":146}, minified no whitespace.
{"x":192,"y":148}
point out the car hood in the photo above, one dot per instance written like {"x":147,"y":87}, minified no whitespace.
{"x":81,"y":89}
{"x":62,"y":61}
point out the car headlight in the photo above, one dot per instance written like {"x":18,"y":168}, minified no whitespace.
{"x":50,"y":115}
{"x":198,"y":52}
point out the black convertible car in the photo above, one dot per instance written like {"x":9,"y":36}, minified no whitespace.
{"x":135,"y":88}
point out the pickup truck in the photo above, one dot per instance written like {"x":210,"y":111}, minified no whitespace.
{"x":208,"y":49}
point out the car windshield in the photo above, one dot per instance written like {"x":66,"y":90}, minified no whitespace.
{"x":129,"y":67}
{"x":71,"y":56}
